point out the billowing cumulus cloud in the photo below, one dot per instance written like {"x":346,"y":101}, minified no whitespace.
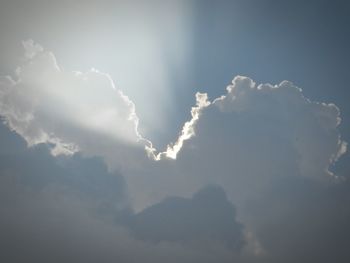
{"x":248,"y":138}
{"x":267,"y":148}
{"x":310,"y":127}
{"x":275,"y":128}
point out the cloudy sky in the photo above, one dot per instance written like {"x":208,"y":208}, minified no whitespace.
{"x":174,"y":131}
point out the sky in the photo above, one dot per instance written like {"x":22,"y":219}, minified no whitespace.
{"x":174,"y":131}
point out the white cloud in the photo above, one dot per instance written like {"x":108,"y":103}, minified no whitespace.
{"x":69,"y":109}
{"x":45,"y":104}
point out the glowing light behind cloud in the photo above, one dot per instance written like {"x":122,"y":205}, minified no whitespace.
{"x":187,"y":131}
{"x":142,"y":45}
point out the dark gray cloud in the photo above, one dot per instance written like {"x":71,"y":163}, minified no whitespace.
{"x":301,"y":220}
{"x":37,"y":168}
{"x":208,"y":215}
{"x":51,"y":208}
